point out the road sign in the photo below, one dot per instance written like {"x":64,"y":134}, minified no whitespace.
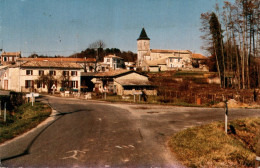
{"x":137,"y":93}
{"x":53,"y":86}
{"x":32,"y":95}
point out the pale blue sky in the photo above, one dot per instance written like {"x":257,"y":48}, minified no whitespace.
{"x":63,"y":27}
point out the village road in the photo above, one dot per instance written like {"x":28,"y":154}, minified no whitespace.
{"x":99,"y":134}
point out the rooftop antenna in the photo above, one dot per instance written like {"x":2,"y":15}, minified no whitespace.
{"x":1,"y":49}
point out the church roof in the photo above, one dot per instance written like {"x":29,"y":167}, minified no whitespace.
{"x":143,"y":35}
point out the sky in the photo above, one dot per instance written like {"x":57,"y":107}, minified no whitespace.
{"x":64,"y":27}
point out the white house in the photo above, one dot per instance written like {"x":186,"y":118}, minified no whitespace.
{"x":25,"y":77}
{"x":114,"y":62}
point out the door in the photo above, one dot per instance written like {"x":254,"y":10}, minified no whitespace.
{"x":5,"y":84}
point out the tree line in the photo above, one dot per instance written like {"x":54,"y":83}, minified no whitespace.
{"x":128,"y":56}
{"x":97,"y":50}
{"x":231,"y":37}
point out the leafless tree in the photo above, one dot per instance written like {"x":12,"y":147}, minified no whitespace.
{"x":99,"y":45}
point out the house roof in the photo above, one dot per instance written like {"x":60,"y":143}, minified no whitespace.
{"x":51,"y":64}
{"x":112,"y":73}
{"x":155,"y":62}
{"x":143,"y":35}
{"x":11,"y":54}
{"x":133,"y":82}
{"x":170,"y":51}
{"x":198,"y":56}
{"x":115,"y":73}
{"x":61,"y":59}
{"x":112,"y":56}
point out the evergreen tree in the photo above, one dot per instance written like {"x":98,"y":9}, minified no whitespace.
{"x":216,"y":33}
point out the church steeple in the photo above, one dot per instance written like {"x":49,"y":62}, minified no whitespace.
{"x":143,"y":35}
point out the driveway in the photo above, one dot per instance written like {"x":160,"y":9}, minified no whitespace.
{"x":99,"y":134}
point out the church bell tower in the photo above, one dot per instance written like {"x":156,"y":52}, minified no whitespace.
{"x":143,"y":46}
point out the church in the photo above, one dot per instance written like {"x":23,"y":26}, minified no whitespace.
{"x":155,"y":60}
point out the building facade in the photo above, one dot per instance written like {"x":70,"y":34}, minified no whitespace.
{"x":41,"y":76}
{"x":9,"y":57}
{"x":161,"y":59}
{"x":123,"y":82}
{"x":114,"y":62}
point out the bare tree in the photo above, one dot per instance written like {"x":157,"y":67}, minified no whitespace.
{"x":99,"y":45}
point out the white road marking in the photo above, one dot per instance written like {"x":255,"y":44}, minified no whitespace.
{"x":75,"y":153}
{"x":131,"y":146}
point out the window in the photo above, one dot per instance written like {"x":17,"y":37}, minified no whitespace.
{"x":74,"y":84}
{"x":170,"y":59}
{"x":41,"y":72}
{"x":29,"y":72}
{"x":108,"y":60}
{"x":53,"y":73}
{"x":29,"y":83}
{"x":65,"y":73}
{"x":40,"y":85}
{"x":179,"y":59}
{"x":74,"y":73}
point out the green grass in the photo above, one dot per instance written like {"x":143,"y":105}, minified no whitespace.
{"x":23,"y":119}
{"x":209,"y":146}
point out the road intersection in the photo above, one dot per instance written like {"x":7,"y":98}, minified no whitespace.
{"x":100,"y":134}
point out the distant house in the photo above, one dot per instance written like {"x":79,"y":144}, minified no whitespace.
{"x":114,"y":62}
{"x":198,"y":58}
{"x":130,"y":65}
{"x":9,"y":57}
{"x":24,"y":77}
{"x":123,"y":82}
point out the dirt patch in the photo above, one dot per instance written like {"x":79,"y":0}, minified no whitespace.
{"x":232,"y":103}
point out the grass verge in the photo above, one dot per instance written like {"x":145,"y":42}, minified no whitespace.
{"x":23,"y":119}
{"x":209,"y":146}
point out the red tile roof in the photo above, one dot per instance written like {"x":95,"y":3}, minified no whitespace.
{"x":14,"y":54}
{"x":113,"y":56}
{"x":169,"y":51}
{"x":51,"y":64}
{"x":63,"y":59}
{"x":198,"y":56}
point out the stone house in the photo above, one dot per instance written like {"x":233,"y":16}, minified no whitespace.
{"x":123,"y":82}
{"x":9,"y":57}
{"x":161,"y":59}
{"x":25,"y":77}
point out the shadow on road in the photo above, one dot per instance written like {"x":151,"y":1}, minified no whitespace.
{"x":27,"y":150}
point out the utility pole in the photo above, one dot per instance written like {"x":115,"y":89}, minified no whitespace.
{"x":5,"y":113}
{"x":226,"y":116}
{"x":97,"y":56}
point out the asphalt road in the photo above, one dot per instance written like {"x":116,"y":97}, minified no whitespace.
{"x":98,"y":134}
